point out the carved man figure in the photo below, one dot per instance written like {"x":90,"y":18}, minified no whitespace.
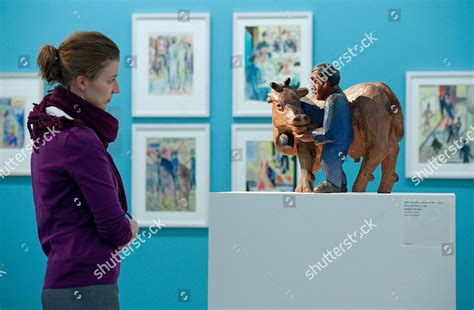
{"x":336,"y":133}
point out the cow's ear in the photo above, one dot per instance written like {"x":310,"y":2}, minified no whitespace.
{"x":303,"y":91}
{"x":287,"y":82}
{"x":276,"y":87}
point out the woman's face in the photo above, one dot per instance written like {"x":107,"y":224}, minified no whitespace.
{"x":100,"y":90}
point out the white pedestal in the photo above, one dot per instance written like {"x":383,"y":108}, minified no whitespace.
{"x":277,"y":250}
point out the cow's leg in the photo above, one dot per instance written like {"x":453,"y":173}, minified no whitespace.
{"x":389,"y":176}
{"x":371,"y":161}
{"x":306,"y":155}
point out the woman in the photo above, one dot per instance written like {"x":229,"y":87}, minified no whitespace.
{"x":78,"y":192}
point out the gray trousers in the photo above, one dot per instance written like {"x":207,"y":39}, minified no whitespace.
{"x":104,"y":297}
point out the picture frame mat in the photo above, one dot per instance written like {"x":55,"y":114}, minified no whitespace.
{"x":31,"y":87}
{"x":140,"y":132}
{"x":241,"y":133}
{"x":253,"y":108}
{"x":415,"y":79}
{"x":192,"y":105}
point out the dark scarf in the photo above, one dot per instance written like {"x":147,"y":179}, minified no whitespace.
{"x":83,"y":114}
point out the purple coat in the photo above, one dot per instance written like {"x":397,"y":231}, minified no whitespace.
{"x":79,"y":215}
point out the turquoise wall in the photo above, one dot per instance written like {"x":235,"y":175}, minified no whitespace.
{"x":431,"y":36}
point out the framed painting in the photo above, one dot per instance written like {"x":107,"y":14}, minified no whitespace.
{"x":170,"y":174}
{"x":256,"y":164}
{"x":18,"y":92}
{"x":440,"y":125}
{"x":170,"y":65}
{"x":268,"y":47}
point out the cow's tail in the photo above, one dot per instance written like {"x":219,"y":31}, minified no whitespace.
{"x":396,"y":111}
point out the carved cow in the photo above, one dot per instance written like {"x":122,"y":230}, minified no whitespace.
{"x":377,"y":121}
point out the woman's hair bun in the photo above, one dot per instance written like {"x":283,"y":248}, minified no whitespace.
{"x":49,"y":63}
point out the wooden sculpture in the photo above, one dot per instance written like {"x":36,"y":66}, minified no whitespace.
{"x":377,"y":121}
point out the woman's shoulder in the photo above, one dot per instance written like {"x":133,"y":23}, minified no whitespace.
{"x":81,"y":136}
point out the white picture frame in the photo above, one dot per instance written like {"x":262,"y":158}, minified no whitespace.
{"x":157,"y":93}
{"x":242,"y":134}
{"x":146,"y":136}
{"x":424,"y":90}
{"x":251,"y":101}
{"x":29,"y":89}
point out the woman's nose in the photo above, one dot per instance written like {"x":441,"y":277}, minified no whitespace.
{"x":116,"y":88}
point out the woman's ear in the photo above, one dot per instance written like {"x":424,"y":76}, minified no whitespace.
{"x":80,"y":83}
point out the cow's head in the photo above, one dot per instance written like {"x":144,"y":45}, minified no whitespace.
{"x":287,"y":114}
